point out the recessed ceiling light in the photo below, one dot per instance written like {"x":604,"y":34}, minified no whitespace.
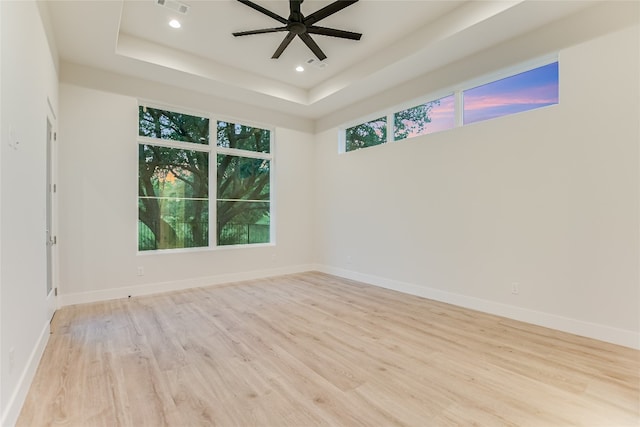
{"x":299,"y":68}
{"x":174,"y":23}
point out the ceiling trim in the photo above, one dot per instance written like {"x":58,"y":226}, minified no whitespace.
{"x":389,"y":59}
{"x":156,"y":54}
{"x":444,"y":39}
{"x":191,"y":99}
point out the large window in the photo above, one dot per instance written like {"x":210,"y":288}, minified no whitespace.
{"x":175,"y":206}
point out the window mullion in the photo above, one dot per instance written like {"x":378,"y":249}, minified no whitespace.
{"x":272,"y":189}
{"x":244,"y":153}
{"x":213,"y":179}
{"x":458,"y":108}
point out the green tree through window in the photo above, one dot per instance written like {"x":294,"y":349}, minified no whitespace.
{"x":366,"y":134}
{"x":173,"y":194}
{"x":243,"y":196}
{"x":173,"y":182}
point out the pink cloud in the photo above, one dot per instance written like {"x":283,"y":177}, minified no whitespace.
{"x":530,"y":96}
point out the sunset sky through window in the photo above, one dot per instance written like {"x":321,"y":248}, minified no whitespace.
{"x":525,"y":91}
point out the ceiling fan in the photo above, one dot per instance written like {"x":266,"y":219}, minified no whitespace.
{"x":302,"y":26}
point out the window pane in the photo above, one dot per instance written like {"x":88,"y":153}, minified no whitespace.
{"x":525,"y":91}
{"x":243,"y":178}
{"x":429,"y":117}
{"x":366,"y":134}
{"x":173,"y":193}
{"x":243,"y":206}
{"x":173,"y":126}
{"x":176,"y":227}
{"x":243,"y":222}
{"x":232,"y":135}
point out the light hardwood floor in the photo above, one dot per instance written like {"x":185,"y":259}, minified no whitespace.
{"x":312,"y":349}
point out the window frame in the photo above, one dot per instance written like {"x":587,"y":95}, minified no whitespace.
{"x":213,"y":150}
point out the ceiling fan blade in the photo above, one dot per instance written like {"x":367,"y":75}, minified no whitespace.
{"x":327,"y":10}
{"x":332,"y":32}
{"x":306,"y":38}
{"x":283,"y":45}
{"x":261,"y":9}
{"x":263,"y":31}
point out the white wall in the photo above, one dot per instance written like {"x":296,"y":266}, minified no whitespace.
{"x":98,"y":199}
{"x":28,"y":78}
{"x":547,"y":198}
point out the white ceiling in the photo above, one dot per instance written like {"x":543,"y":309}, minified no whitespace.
{"x":401,"y":40}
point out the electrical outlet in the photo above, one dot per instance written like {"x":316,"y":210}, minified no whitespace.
{"x":140,"y":271}
{"x":12,"y":358}
{"x":515,"y":288}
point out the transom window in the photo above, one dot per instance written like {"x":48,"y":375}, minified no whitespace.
{"x":367,"y":134}
{"x":520,"y":92}
{"x":527,"y":90}
{"x":176,"y":209}
{"x":432,"y":116}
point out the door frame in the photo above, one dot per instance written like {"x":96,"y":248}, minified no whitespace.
{"x":50,"y":226}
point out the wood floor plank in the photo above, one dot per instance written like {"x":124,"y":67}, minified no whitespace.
{"x":316,"y":350}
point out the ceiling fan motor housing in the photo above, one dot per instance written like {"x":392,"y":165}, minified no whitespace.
{"x":297,"y":28}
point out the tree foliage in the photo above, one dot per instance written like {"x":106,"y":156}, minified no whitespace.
{"x":366,"y":134}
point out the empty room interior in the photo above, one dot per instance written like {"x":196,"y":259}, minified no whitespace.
{"x":304,"y":213}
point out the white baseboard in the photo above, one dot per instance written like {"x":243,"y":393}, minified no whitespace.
{"x":14,"y":405}
{"x":600,"y":332}
{"x":177,"y":285}
{"x":596,"y":331}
